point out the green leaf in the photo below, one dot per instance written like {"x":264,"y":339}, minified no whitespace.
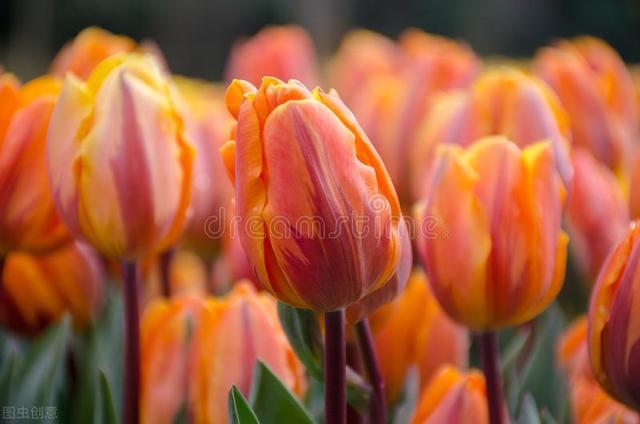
{"x":509,"y":356}
{"x":528,"y":411}
{"x":540,"y":375}
{"x":272,"y":402}
{"x":239,"y":410}
{"x":39,"y":376}
{"x":109,"y":414}
{"x":305,"y":338}
{"x":97,"y":349}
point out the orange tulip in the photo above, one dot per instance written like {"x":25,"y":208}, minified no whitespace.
{"x":597,"y":91}
{"x":90,"y":47}
{"x":501,"y":101}
{"x":29,"y":220}
{"x":453,"y":397}
{"x":496,"y":254}
{"x":194,"y":349}
{"x":244,"y":328}
{"x":334,"y":236}
{"x":393,"y":106}
{"x":38,"y":290}
{"x":597,"y":213}
{"x":573,"y":352}
{"x":362,"y":57}
{"x":208,"y":125}
{"x":283,"y":52}
{"x":429,"y":338}
{"x":120,"y":162}
{"x":590,"y":404}
{"x":614,"y":325}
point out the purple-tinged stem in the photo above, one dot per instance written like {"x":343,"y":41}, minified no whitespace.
{"x":488,"y":342}
{"x":377,"y":405}
{"x":131,"y":404}
{"x":335,"y":368}
{"x":165,"y":271}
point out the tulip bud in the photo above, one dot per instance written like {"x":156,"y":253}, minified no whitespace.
{"x":501,"y":101}
{"x":207,"y":122}
{"x":29,"y":220}
{"x":90,"y":47}
{"x":597,"y":92}
{"x":119,"y":159}
{"x":285,"y":52}
{"x":242,"y":329}
{"x":38,"y":290}
{"x":613,"y":322}
{"x":453,"y":397}
{"x":489,"y":232}
{"x":597,"y":214}
{"x":319,"y":218}
{"x":430,"y":338}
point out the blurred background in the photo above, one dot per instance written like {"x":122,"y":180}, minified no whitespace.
{"x":196,"y":35}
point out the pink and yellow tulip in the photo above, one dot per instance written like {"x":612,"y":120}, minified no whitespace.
{"x":120,"y":161}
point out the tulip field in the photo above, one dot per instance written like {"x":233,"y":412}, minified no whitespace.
{"x":403,"y":231}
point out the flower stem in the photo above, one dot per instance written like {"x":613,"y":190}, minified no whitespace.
{"x":131,"y":406}
{"x":378,"y":406}
{"x":335,"y":370}
{"x":165,"y":271}
{"x":488,"y":343}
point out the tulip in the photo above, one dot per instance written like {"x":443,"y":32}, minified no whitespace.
{"x":436,"y":340}
{"x":165,"y":349}
{"x":597,"y":213}
{"x":312,"y":138}
{"x":120,"y":165}
{"x":453,"y":396}
{"x":29,"y":221}
{"x":285,"y":52}
{"x":207,"y":122}
{"x":229,"y":339}
{"x":38,"y":290}
{"x":120,"y":162}
{"x":90,"y":47}
{"x":498,"y":254}
{"x":597,"y":92}
{"x":497,"y":257}
{"x":589,"y":403}
{"x":329,"y":240}
{"x":613,"y":323}
{"x":393,"y":106}
{"x":573,"y":351}
{"x":362,"y":57}
{"x":502,"y":101}
{"x":194,"y":349}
